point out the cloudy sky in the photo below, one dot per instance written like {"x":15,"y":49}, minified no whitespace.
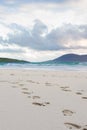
{"x":38,"y":30}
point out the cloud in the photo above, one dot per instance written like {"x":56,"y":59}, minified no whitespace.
{"x":67,"y":36}
{"x":39,"y":28}
{"x":60,"y":26}
{"x":40,"y":1}
{"x":52,"y":14}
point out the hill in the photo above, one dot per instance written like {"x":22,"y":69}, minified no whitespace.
{"x":71,"y":58}
{"x":9,"y":60}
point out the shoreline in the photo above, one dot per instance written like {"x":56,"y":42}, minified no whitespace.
{"x":44,"y":69}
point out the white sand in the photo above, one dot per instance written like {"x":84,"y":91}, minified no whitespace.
{"x":43,"y":100}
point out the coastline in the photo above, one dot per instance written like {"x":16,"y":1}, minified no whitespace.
{"x":64,"y":69}
{"x":43,"y":99}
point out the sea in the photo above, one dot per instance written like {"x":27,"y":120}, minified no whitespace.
{"x":72,"y":66}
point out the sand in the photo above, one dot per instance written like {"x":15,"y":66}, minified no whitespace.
{"x":43,"y":100}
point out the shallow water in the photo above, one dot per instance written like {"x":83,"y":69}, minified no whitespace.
{"x":48,"y":66}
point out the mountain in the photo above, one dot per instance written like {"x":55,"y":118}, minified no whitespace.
{"x":71,"y":58}
{"x":62,"y":59}
{"x":9,"y":60}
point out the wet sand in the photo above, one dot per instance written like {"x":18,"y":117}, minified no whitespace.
{"x":43,"y":100}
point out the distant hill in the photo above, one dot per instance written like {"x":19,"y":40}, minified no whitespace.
{"x":62,"y":59}
{"x":71,"y":58}
{"x":9,"y":60}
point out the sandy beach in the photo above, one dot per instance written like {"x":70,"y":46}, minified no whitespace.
{"x":43,"y":100}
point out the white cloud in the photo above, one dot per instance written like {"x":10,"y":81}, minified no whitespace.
{"x":67,"y":36}
{"x":52,"y":14}
{"x":60,"y":28}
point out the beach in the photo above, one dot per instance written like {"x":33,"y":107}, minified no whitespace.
{"x":43,"y":99}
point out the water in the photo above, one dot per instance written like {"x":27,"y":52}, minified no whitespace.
{"x":47,"y":66}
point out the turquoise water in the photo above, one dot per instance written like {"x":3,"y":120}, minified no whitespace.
{"x":50,"y":66}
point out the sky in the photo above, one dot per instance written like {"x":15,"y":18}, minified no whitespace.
{"x":40,"y":30}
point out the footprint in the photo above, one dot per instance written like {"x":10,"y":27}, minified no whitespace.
{"x":24,"y":88}
{"x":66,"y":88}
{"x":67,"y":112}
{"x":14,"y":86}
{"x":40,"y":104}
{"x":36,"y":97}
{"x":21,"y":84}
{"x":84,"y":97}
{"x":48,"y":84}
{"x":84,"y":127}
{"x":47,"y":102}
{"x":78,"y":93}
{"x":25,"y":92}
{"x":72,"y":126}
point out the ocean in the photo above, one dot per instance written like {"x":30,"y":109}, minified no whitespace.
{"x":46,"y":66}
